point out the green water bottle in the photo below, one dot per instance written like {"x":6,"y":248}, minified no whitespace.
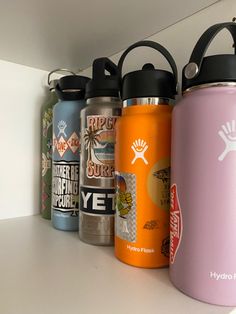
{"x":46,"y":145}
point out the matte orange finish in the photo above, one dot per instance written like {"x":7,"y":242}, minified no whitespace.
{"x":152,"y":123}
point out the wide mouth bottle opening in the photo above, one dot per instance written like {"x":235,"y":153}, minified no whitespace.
{"x":207,"y":85}
{"x":148,"y":101}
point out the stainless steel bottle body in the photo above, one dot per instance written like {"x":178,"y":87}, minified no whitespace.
{"x":97,"y":189}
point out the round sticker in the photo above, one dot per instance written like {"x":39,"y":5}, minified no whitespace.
{"x":158,"y":183}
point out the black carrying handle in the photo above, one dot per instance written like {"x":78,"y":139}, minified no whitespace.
{"x":101,"y":65}
{"x":206,"y":38}
{"x":156,"y":46}
{"x":58,"y":71}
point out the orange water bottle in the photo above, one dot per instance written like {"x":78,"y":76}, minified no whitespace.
{"x":142,"y":163}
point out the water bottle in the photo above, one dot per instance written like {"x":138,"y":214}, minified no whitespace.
{"x":46,"y":146}
{"x":203,"y":184}
{"x":142,"y":163}
{"x":97,"y":189}
{"x":66,"y":151}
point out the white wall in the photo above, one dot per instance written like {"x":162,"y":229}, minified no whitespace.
{"x":22,"y":94}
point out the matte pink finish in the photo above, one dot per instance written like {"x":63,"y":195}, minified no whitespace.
{"x":205,"y":263}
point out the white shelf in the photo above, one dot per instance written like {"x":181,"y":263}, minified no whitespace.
{"x":49,"y":34}
{"x":46,"y":271}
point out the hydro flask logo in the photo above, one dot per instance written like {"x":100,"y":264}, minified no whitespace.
{"x":62,"y":126}
{"x":139,"y":147}
{"x":228,"y":134}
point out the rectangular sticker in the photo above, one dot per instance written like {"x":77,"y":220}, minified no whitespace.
{"x":65,"y":186}
{"x":97,"y":201}
{"x":125,"y":223}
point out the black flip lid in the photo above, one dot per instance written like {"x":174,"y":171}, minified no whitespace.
{"x":102,"y":85}
{"x":149,"y":82}
{"x":211,"y":69}
{"x":71,"y":87}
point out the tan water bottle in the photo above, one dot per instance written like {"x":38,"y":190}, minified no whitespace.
{"x":97,"y":172}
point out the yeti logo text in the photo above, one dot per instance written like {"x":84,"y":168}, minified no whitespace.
{"x":139,"y":147}
{"x":228,"y":134}
{"x":61,"y":126}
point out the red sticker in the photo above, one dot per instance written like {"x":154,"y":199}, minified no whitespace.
{"x":176,"y":224}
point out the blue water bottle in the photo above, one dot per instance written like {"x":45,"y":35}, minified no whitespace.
{"x":66,"y":151}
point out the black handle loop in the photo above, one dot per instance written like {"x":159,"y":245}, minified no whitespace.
{"x":101,"y":65}
{"x":207,"y":37}
{"x":58,"y":71}
{"x":154,"y":45}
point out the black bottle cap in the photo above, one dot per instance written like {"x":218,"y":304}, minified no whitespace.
{"x":211,"y":69}
{"x":149,"y":82}
{"x":102,"y":85}
{"x":71,"y":87}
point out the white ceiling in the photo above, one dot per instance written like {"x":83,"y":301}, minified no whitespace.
{"x":48,"y":34}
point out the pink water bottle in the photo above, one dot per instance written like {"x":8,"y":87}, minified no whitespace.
{"x":203,"y":179}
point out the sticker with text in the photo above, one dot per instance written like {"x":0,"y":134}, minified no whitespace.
{"x":65,"y":187}
{"x":99,"y":139}
{"x":97,"y":200}
{"x":176,"y":223}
